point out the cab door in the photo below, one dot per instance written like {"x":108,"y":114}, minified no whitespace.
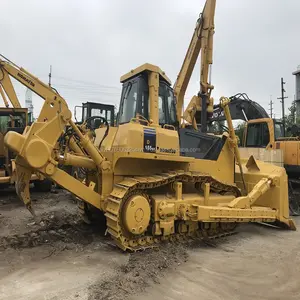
{"x":257,"y":135}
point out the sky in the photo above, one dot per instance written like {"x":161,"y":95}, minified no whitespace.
{"x":90,"y":44}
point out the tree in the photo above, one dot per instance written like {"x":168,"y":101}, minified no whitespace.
{"x":217,"y":127}
{"x":239,"y":131}
{"x":290,"y":118}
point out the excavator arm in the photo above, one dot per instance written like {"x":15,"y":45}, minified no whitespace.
{"x":241,"y":108}
{"x":9,"y":69}
{"x":36,"y":147}
{"x":6,"y":85}
{"x":202,"y":40}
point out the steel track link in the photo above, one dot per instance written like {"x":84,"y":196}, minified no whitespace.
{"x":139,"y":184}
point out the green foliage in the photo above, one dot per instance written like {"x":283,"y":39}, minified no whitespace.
{"x":239,"y":131}
{"x":290,"y":118}
{"x":217,"y":127}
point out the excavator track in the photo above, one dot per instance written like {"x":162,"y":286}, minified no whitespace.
{"x":139,"y":185}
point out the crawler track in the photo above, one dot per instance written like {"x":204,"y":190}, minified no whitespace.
{"x":131,"y":185}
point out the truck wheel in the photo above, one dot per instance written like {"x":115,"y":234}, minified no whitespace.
{"x":43,"y":185}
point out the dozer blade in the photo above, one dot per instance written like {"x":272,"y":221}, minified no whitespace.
{"x":267,"y":192}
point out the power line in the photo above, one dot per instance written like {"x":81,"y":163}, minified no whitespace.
{"x":50,"y":75}
{"x":87,"y":83}
{"x":271,"y":107}
{"x":85,"y":88}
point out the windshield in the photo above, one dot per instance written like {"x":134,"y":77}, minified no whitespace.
{"x":171,"y":106}
{"x":278,"y":131}
{"x":257,"y":135}
{"x":128,"y":109}
{"x":97,"y":112}
{"x":135,"y":100}
{"x":166,"y":105}
{"x":4,"y":123}
{"x":11,"y":121}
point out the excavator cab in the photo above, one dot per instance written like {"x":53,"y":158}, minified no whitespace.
{"x":263,"y":133}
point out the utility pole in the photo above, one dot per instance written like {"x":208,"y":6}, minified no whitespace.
{"x":294,"y":110}
{"x":50,"y":75}
{"x":271,"y":107}
{"x":282,"y":102}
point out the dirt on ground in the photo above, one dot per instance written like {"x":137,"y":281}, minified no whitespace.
{"x":61,"y":257}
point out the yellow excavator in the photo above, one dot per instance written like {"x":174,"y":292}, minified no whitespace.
{"x":14,"y":118}
{"x":153,"y":177}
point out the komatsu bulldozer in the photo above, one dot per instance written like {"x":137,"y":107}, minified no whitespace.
{"x":153,"y":177}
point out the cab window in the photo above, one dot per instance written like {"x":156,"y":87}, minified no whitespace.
{"x":278,"y":131}
{"x":135,"y":100}
{"x":257,"y":135}
{"x":128,"y":102}
{"x":161,"y":111}
{"x":167,"y":111}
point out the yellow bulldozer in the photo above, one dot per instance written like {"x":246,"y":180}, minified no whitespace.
{"x":153,"y":177}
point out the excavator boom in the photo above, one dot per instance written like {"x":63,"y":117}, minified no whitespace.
{"x":6,"y":84}
{"x":202,"y":40}
{"x":8,"y":68}
{"x":241,"y":108}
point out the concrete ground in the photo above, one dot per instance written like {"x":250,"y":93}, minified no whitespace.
{"x":62,"y":258}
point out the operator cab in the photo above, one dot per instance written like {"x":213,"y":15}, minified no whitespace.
{"x":135,"y":97}
{"x":11,"y":119}
{"x":95,"y":109}
{"x":260,"y":134}
{"x":135,"y":106}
